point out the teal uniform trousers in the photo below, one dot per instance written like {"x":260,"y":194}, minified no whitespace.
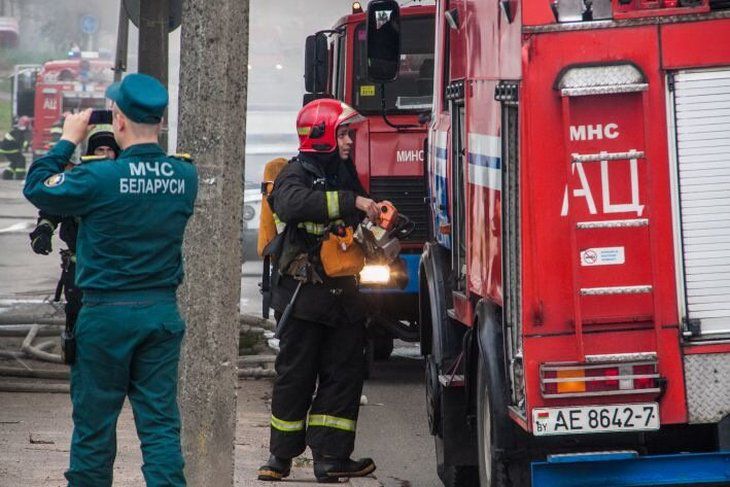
{"x":128,"y":344}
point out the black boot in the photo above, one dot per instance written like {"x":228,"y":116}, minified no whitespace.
{"x":330,"y":470}
{"x":276,"y":468}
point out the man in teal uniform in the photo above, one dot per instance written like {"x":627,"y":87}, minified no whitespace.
{"x":133,"y":213}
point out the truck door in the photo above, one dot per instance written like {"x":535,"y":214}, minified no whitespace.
{"x":700,"y":113}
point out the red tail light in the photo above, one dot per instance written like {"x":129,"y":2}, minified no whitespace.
{"x":574,"y":380}
{"x":605,"y":379}
{"x":644,"y":376}
{"x":550,"y":387}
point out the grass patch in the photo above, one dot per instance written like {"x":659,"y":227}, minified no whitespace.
{"x":5,"y":116}
{"x":10,"y":57}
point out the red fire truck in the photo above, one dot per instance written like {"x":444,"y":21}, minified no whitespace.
{"x":574,"y":298}
{"x":46,"y":92}
{"x":389,"y":149}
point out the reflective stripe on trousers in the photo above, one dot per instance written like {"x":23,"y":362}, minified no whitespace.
{"x":327,"y":421}
{"x":287,"y":426}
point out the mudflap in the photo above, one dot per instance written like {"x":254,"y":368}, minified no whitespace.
{"x":629,"y":469}
{"x":457,"y":436}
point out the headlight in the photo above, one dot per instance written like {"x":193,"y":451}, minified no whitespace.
{"x":248,"y":212}
{"x":375,"y":274}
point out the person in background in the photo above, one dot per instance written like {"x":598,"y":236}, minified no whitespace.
{"x":100,"y":145}
{"x":12,"y":147}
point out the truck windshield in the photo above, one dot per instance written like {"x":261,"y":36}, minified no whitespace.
{"x":413,"y":89}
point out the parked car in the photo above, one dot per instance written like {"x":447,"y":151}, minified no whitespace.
{"x":251,"y":212}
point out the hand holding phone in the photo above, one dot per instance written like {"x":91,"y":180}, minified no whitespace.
{"x":100,"y":117}
{"x":76,"y":126}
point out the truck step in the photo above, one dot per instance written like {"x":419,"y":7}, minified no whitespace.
{"x":448,"y":380}
{"x":628,"y":223}
{"x":608,"y":156}
{"x":603,"y":291}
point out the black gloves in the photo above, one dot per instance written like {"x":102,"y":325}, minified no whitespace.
{"x":40,"y":238}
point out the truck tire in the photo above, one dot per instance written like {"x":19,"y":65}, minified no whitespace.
{"x":502,"y":445}
{"x":459,"y":476}
{"x":492,"y":469}
{"x":441,"y":344}
{"x":433,"y":396}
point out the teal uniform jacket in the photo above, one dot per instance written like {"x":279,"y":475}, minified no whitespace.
{"x":133,"y":212}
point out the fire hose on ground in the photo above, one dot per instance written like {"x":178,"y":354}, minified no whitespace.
{"x":249,"y":366}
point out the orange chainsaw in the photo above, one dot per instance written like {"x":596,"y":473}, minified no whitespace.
{"x":381,"y":240}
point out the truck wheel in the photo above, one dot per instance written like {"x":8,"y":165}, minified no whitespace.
{"x":459,"y":476}
{"x":492,"y":470}
{"x":433,"y":399}
{"x":382,"y":347}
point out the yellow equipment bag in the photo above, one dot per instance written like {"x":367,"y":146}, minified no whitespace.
{"x":267,"y":224}
{"x":341,"y":255}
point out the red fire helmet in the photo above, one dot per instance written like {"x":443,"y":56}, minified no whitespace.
{"x":318,"y":121}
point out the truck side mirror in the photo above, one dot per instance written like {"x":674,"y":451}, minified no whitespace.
{"x":383,"y":40}
{"x":316,"y":55}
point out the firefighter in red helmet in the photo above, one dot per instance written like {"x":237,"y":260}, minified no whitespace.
{"x":322,"y":344}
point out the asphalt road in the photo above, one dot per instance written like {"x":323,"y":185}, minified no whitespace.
{"x":23,"y":273}
{"x":392,"y":429}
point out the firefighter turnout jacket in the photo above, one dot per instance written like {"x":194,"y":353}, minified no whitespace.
{"x":13,"y":142}
{"x":310,"y":193}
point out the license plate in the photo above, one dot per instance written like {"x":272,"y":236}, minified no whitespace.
{"x":595,"y":419}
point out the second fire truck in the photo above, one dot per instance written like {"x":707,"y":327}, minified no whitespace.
{"x":574,"y":296}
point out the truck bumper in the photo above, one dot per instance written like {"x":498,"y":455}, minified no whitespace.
{"x":628,"y":469}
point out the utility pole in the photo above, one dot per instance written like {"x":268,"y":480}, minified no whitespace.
{"x":154,"y":25}
{"x":120,"y":62}
{"x":154,"y":22}
{"x":212,"y":123}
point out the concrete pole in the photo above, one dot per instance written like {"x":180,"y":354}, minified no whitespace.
{"x":213,"y":80}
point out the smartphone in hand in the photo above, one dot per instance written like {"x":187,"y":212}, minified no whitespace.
{"x":100,"y":117}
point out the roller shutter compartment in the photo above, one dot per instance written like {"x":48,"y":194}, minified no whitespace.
{"x":702,"y":121}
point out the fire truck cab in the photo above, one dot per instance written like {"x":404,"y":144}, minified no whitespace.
{"x":574,"y":295}
{"x":388,"y":152}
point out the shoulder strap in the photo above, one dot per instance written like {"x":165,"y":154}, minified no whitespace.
{"x":312,"y":169}
{"x":92,"y":158}
{"x":183,"y":156}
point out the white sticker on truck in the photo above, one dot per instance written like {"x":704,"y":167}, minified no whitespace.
{"x":602,"y":256}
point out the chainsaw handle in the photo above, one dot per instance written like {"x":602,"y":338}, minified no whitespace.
{"x":403,"y":228}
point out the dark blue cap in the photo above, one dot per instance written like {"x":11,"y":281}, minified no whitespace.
{"x":140,"y":97}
